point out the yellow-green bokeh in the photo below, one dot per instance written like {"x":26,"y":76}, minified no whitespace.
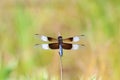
{"x":98,"y":20}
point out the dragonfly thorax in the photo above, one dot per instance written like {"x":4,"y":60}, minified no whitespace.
{"x":60,"y":40}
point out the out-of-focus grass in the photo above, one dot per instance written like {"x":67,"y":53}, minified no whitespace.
{"x":98,"y":20}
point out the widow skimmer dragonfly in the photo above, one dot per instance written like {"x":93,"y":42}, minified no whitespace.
{"x":60,"y":43}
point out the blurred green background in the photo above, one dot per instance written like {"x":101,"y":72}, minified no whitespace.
{"x":98,"y":20}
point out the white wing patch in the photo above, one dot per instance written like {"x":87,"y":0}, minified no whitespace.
{"x":75,"y":46}
{"x":76,"y":38}
{"x":45,"y":46}
{"x":44,"y":38}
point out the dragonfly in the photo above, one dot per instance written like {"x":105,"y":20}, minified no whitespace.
{"x":60,"y":43}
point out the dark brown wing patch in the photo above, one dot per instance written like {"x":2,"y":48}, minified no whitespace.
{"x":67,"y":46}
{"x":68,"y":39}
{"x":53,"y":46}
{"x":51,"y":39}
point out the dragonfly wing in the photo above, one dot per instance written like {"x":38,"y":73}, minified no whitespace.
{"x":53,"y":46}
{"x":45,"y":38}
{"x":73,"y":39}
{"x":48,"y":46}
{"x":69,"y":46}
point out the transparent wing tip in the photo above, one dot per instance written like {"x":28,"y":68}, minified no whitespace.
{"x":36,"y":34}
{"x":43,"y":46}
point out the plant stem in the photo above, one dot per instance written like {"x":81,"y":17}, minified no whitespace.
{"x":61,"y":73}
